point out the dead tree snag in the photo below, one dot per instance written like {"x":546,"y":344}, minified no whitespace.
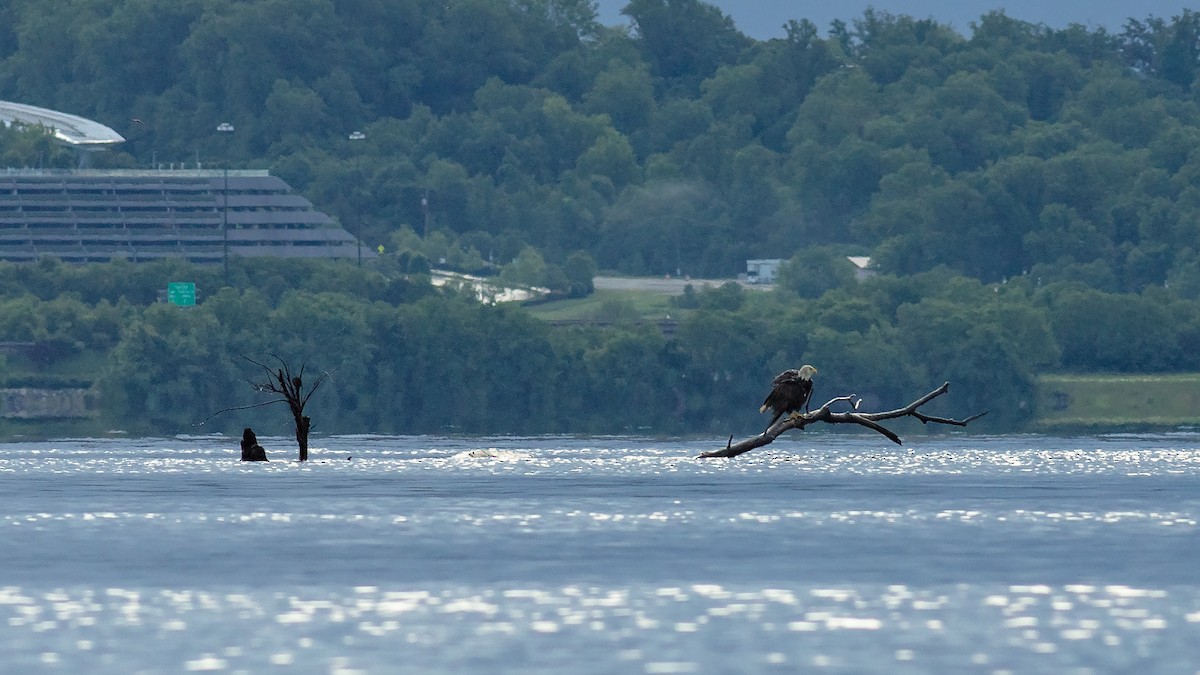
{"x":826,"y":414}
{"x":291,"y":387}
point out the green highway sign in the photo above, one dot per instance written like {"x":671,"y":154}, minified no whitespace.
{"x":181,"y":293}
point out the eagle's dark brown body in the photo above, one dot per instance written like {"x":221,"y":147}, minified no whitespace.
{"x":790,"y":392}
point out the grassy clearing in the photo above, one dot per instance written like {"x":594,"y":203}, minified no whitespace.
{"x":1118,"y":400}
{"x":609,"y":305}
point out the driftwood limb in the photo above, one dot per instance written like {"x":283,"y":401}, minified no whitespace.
{"x":826,"y":414}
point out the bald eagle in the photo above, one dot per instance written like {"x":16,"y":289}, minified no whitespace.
{"x":790,"y":391}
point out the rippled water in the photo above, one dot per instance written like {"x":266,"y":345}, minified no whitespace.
{"x":821,"y":553}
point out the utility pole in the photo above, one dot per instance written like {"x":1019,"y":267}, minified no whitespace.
{"x":225,"y":129}
{"x":358,"y":136}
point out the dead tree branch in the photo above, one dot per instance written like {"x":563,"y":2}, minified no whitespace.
{"x":237,"y":407}
{"x":290,"y":386}
{"x":826,"y":414}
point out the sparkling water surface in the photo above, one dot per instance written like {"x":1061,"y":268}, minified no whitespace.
{"x":820,"y":553}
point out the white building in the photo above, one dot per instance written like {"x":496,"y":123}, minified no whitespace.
{"x":762,"y":271}
{"x":862,"y":266}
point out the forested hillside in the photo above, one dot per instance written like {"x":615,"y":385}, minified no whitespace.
{"x":1029,"y":194}
{"x":684,"y":145}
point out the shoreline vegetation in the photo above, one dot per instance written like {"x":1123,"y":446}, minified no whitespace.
{"x":62,"y":395}
{"x":687,"y":354}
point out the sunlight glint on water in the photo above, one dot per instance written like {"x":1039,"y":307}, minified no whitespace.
{"x":822,"y":553}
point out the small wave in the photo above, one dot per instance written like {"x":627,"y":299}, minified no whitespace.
{"x":493,"y":453}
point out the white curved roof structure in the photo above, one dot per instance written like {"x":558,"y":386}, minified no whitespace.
{"x":71,"y":130}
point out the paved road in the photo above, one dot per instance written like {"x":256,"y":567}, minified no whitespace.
{"x":668,"y":286}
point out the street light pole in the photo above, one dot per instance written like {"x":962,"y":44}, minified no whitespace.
{"x":358,"y":136}
{"x":225,"y":128}
{"x":425,"y":209}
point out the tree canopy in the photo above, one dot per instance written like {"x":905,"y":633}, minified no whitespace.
{"x":1016,"y":149}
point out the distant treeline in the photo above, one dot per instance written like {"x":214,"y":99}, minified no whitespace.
{"x":677,"y":146}
{"x":409,"y":359}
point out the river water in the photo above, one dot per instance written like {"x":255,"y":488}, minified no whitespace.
{"x":820,"y":553}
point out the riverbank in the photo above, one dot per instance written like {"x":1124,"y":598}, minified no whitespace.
{"x":1107,"y":401}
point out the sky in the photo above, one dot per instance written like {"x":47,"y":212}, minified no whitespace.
{"x":763,"y":19}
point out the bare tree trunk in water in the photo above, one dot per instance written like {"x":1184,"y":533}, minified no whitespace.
{"x":291,"y":386}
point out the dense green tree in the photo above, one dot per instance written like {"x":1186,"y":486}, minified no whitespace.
{"x":870,"y":365}
{"x":171,"y":370}
{"x":529,"y":268}
{"x":887,"y":45}
{"x":1138,"y":334}
{"x":581,"y":272}
{"x":630,"y":381}
{"x":625,"y":93}
{"x":786,"y":71}
{"x":657,"y":229}
{"x":610,"y":159}
{"x":815,"y":270}
{"x":973,"y":348}
{"x":1166,"y":50}
{"x":32,"y":147}
{"x":724,"y":372}
{"x":684,"y":41}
